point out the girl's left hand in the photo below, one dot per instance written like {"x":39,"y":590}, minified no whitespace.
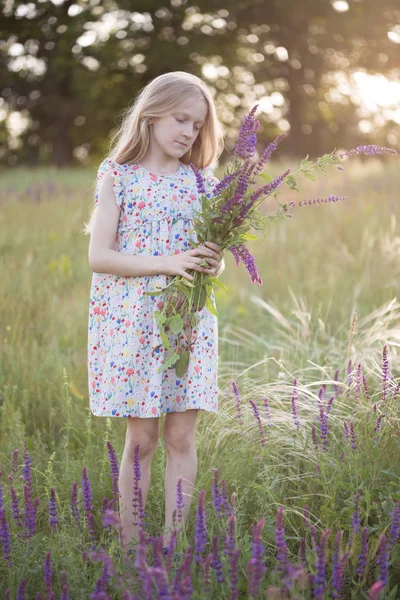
{"x":216,"y":262}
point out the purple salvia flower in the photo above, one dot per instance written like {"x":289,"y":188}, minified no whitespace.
{"x":216,"y":493}
{"x":353,"y":438}
{"x":349,"y":372}
{"x":233,"y":574}
{"x":29,"y":522}
{"x":136,"y":478}
{"x":216,"y":561}
{"x":74,"y":502}
{"x":264,"y":190}
{"x":282,"y":556}
{"x":385,"y":376}
{"x":48,"y":574}
{"x":232,"y":203}
{"x":142,"y":514}
{"x":110,"y":517}
{"x":244,"y":254}
{"x":314,"y":437}
{"x":323,"y":428}
{"x":242,"y":182}
{"x":375,"y":590}
{"x":266,"y":155}
{"x":365,"y":385}
{"x":394,"y":526}
{"x":256,"y":413}
{"x":320,"y":576}
{"x":224,"y":498}
{"x":27,"y":465}
{"x":5,"y":537}
{"x":355,"y":521}
{"x":15,"y":508}
{"x":329,"y":405}
{"x":7,"y":594}
{"x":267,"y":412}
{"x":374,"y":408}
{"x":377,"y":427}
{"x":255,"y":566}
{"x":22,"y":590}
{"x":362,"y":557}
{"x":303,"y":556}
{"x":246,"y":143}
{"x":201,"y":533}
{"x":106,"y":572}
{"x":206,"y":574}
{"x":15,"y":461}
{"x":199,"y":180}
{"x":368,"y":149}
{"x":237,"y":402}
{"x":224,"y":183}
{"x":313,"y":534}
{"x":64,"y":592}
{"x":336,"y":580}
{"x":328,"y":199}
{"x":358,"y":384}
{"x":340,"y":573}
{"x":383,"y":560}
{"x":295,"y":409}
{"x":336,"y":379}
{"x":230,"y":539}
{"x":161,"y":581}
{"x":54,"y":519}
{"x":179,"y":499}
{"x":112,"y":457}
{"x":346,"y":430}
{"x":87,"y":495}
{"x":396,"y":391}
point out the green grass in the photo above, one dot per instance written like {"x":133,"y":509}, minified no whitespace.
{"x":323,"y":268}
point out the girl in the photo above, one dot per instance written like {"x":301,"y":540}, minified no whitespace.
{"x":140,"y":227}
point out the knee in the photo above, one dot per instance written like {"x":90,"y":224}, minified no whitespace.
{"x":178,"y":441}
{"x":147,"y":443}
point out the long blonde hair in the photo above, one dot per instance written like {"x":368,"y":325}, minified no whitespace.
{"x":160,"y":97}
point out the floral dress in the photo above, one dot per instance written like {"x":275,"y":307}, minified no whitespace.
{"x":124,"y":345}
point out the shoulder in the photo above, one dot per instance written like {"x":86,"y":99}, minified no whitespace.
{"x":110,"y":176}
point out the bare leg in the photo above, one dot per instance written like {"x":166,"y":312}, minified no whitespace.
{"x":180,"y":442}
{"x":143,"y":432}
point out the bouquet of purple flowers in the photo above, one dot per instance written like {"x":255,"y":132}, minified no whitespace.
{"x":227,"y":219}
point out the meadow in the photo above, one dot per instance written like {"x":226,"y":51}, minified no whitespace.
{"x":298,"y":487}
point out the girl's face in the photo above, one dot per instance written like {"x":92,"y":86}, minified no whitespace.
{"x":175,"y":133}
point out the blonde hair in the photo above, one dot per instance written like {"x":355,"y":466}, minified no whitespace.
{"x":160,"y":97}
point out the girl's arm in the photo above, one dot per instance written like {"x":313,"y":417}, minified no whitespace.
{"x":102,"y":257}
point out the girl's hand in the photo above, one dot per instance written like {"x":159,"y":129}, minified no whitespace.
{"x":216,"y":262}
{"x":176,"y":264}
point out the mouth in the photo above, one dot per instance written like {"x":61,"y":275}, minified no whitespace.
{"x":182,"y":144}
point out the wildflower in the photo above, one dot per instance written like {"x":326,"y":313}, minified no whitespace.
{"x":320,"y":576}
{"x":255,"y":566}
{"x":257,"y":416}
{"x":295,"y":409}
{"x":201,"y":534}
{"x":362,"y":557}
{"x":54,"y":519}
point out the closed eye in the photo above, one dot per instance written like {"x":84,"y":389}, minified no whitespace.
{"x":183,"y":120}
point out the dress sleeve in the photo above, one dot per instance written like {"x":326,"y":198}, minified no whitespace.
{"x":117,"y":172}
{"x":210,"y":181}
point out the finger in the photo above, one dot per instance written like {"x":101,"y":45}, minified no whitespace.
{"x":202,"y":251}
{"x":213,"y":246}
{"x":186,"y":275}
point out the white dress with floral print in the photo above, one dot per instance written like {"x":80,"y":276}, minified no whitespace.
{"x":124,"y":345}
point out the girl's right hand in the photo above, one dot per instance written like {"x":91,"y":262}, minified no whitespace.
{"x":176,"y":264}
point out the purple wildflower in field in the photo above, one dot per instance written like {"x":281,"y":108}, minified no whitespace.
{"x":323,"y":424}
{"x":216,"y":560}
{"x":320,"y":567}
{"x":256,"y":413}
{"x":230,"y":538}
{"x":365,"y":386}
{"x":216,"y":494}
{"x":233,"y":574}
{"x":358,"y":384}
{"x":15,"y":461}
{"x":22,"y":589}
{"x":236,"y":394}
{"x":29,"y":512}
{"x":353,"y":439}
{"x":245,"y":146}
{"x":362,"y":557}
{"x":282,"y":556}
{"x":349,"y":372}
{"x":267,"y":412}
{"x":377,"y":426}
{"x":355,"y":521}
{"x":113,"y":460}
{"x":385,"y":376}
{"x":338,"y":577}
{"x":242,"y":253}
{"x":64,"y":586}
{"x":336,"y":379}
{"x":48,"y":574}
{"x":74,"y":503}
{"x":224,"y":499}
{"x":201,"y":532}
{"x":375,"y":590}
{"x":5,"y":537}
{"x":302,"y":551}
{"x":106,"y":572}
{"x":142,"y":514}
{"x":383,"y":559}
{"x":54,"y":518}
{"x":345,"y":430}
{"x":27,"y":465}
{"x":396,"y":391}
{"x":110,"y":517}
{"x":368,"y":150}
{"x":374,"y":407}
{"x":86,"y":493}
{"x":255,"y":566}
{"x":329,"y":405}
{"x":394,"y":526}
{"x":313,"y":535}
{"x":179,"y":499}
{"x":136,"y":478}
{"x":295,"y":408}
{"x":15,"y":507}
{"x":314,"y":437}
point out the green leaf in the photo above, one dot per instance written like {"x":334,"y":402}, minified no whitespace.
{"x":176,"y":324}
{"x":249,"y":236}
{"x":309,"y":175}
{"x":164,"y":339}
{"x":266,"y":177}
{"x":216,"y":281}
{"x":171,"y":360}
{"x":160,"y":318}
{"x":209,"y":304}
{"x":182,"y":363}
{"x":154,"y":293}
{"x":187,"y":282}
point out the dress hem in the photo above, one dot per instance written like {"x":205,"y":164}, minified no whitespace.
{"x":154,"y":416}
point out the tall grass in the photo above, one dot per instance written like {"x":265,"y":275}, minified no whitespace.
{"x":327,"y":304}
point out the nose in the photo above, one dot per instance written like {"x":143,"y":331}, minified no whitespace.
{"x":188,"y":131}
